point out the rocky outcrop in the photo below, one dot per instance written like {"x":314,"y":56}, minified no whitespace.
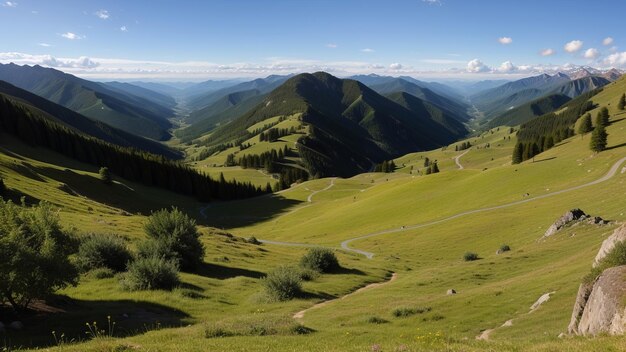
{"x":619,"y":235}
{"x":604,"y":311}
{"x":567,"y":218}
{"x":451,"y":292}
{"x":584,"y":290}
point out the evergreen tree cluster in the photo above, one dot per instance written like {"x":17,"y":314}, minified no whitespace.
{"x":207,"y":152}
{"x":290,"y":175}
{"x":622,"y":102}
{"x":432,"y":168}
{"x":543,"y":132}
{"x":385,"y":166}
{"x":266,"y":160}
{"x":462,"y":146}
{"x":131,"y":164}
{"x":273,"y":134}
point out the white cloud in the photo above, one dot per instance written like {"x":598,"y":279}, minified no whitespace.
{"x":45,"y":45}
{"x":432,"y":2}
{"x":505,"y":40}
{"x":123,"y":29}
{"x":332,"y":45}
{"x":607,"y":41}
{"x":103,"y":14}
{"x":367,"y":50}
{"x":81,"y":62}
{"x":396,"y":66}
{"x":547,"y":52}
{"x":9,"y":4}
{"x":507,"y":67}
{"x":477,"y":66}
{"x":573,"y":46}
{"x":616,"y":59}
{"x":591,"y":53}
{"x":72,"y":36}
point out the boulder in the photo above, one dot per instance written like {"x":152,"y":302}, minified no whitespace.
{"x":604,"y":311}
{"x":16,"y":325}
{"x":543,"y":299}
{"x":619,"y":235}
{"x":451,"y":292}
{"x":584,"y":290}
{"x":572,"y":215}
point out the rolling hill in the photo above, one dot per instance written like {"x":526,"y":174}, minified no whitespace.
{"x":95,"y":100}
{"x":350,"y":126}
{"x":530,"y":110}
{"x":164,"y":100}
{"x":82,"y":124}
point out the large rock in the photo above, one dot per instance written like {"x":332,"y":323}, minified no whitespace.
{"x":619,"y":235}
{"x":605,"y":311}
{"x":584,"y":290}
{"x":572,"y":215}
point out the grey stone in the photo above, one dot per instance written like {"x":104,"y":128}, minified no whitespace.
{"x":605,"y":311}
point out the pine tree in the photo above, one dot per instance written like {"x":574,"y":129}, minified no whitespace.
{"x":603,"y":117}
{"x":434,"y":167}
{"x":598,"y":139}
{"x":585,"y":125}
{"x":105,"y":176}
{"x":622,"y":102}
{"x":518,"y":153}
{"x":426,"y":162}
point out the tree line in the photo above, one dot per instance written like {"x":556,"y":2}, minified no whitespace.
{"x":131,"y":164}
{"x":273,"y":134}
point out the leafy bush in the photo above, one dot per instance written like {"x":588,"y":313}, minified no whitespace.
{"x":470,"y":256}
{"x":376,"y":320}
{"x":283,"y":283}
{"x":103,"y":251}
{"x":253,"y":240}
{"x":299,"y":329}
{"x":214,"y":331}
{"x":35,"y":254}
{"x":504,"y":248}
{"x":322,"y":260}
{"x":102,"y":273}
{"x":177,"y":236}
{"x":616,"y":257}
{"x":105,"y":176}
{"x":154,"y":248}
{"x":151,"y":274}
{"x":308,"y":274}
{"x":407,"y":312}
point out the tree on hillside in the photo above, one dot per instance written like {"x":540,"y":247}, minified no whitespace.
{"x":35,"y":252}
{"x":426,"y":162}
{"x":518,"y":153}
{"x":105,"y":175}
{"x":3,"y":188}
{"x":622,"y":102}
{"x":434,"y":168}
{"x":602,"y":118}
{"x":598,"y":139}
{"x":585,"y":125}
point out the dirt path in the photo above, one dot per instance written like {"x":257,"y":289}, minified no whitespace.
{"x":300,"y":314}
{"x":456,"y":160}
{"x":332,"y":183}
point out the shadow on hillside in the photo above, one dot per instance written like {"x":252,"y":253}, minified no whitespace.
{"x":16,"y":196}
{"x":350,"y":271}
{"x":68,"y":316}
{"x":546,"y":159}
{"x":26,"y":170}
{"x":245,"y":212}
{"x":616,"y":146}
{"x":220,"y":272}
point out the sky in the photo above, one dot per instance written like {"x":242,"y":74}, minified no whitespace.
{"x":216,"y":39}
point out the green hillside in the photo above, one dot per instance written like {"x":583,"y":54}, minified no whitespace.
{"x":530,"y":110}
{"x":121,"y":110}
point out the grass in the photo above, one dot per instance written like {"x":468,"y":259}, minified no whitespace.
{"x":427,"y":260}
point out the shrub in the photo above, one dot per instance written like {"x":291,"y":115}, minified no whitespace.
{"x":214,"y":331}
{"x":308,"y":274}
{"x":322,"y":260}
{"x":376,"y":320}
{"x":105,"y":176}
{"x":103,"y":251}
{"x":177,"y":232}
{"x":616,"y":257}
{"x":151,"y":274}
{"x":101,"y":273}
{"x":407,"y":312}
{"x":470,"y":256}
{"x":504,"y":248}
{"x":253,"y":240}
{"x":153,"y":248}
{"x":299,"y":329}
{"x":35,"y":254}
{"x":283,"y":283}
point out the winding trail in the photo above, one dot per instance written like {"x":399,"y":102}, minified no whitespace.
{"x":332,"y":183}
{"x":345,"y":245}
{"x":300,"y":314}
{"x":456,"y":159}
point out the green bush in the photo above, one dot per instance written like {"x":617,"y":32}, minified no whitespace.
{"x":470,"y":256}
{"x":407,"y":312}
{"x":308,"y":274}
{"x":504,"y":248}
{"x":154,"y":248}
{"x":299,"y":329}
{"x":105,"y":175}
{"x":103,"y":251}
{"x":376,"y":320}
{"x":177,"y":236}
{"x":253,"y":240}
{"x":151,"y":274}
{"x":35,"y":254}
{"x":214,"y":331}
{"x":322,"y":260}
{"x":616,"y":257}
{"x":102,"y":273}
{"x":283,"y":283}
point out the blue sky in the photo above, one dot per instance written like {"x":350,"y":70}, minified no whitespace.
{"x":203,"y":39}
